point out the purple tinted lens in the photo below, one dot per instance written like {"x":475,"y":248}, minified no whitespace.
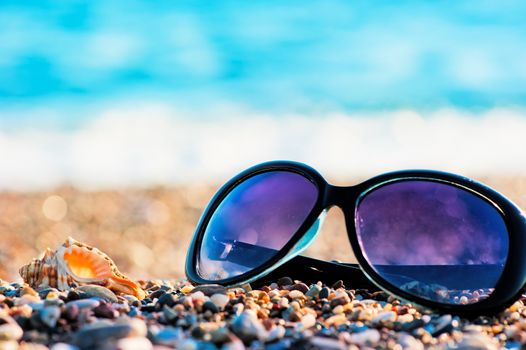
{"x":253,"y":222}
{"x":433,"y":240}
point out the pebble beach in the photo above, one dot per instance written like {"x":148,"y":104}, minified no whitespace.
{"x":146,"y":233}
{"x":286,"y":314}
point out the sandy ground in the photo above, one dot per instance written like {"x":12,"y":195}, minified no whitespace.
{"x":145,"y":231}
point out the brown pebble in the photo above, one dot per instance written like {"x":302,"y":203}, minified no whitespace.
{"x":338,"y":284}
{"x":302,"y":287}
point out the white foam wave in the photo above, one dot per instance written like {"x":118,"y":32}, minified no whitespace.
{"x":155,"y":144}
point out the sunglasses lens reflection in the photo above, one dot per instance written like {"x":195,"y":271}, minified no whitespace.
{"x":433,"y":240}
{"x":254,"y":222}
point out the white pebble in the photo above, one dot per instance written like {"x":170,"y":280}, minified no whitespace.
{"x":385,"y":316}
{"x":276,"y":333}
{"x":198,"y":296}
{"x":296,"y":294}
{"x":63,"y":346}
{"x":134,"y":343}
{"x":220,"y":300}
{"x":409,"y":342}
{"x":309,"y":320}
{"x":369,"y":336}
{"x":10,"y":331}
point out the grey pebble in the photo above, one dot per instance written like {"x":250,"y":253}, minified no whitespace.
{"x":210,"y":306}
{"x":276,"y":333}
{"x":100,"y":292}
{"x":84,"y":303}
{"x":220,"y":335}
{"x":50,"y":315}
{"x":313,"y":291}
{"x":167,"y":299}
{"x":327,"y":343}
{"x":99,"y":333}
{"x":247,"y":327}
{"x":443,"y":325}
{"x":284,"y":281}
{"x":210,"y":289}
{"x":169,"y":313}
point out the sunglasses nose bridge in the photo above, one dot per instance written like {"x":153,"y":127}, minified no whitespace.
{"x":340,"y":196}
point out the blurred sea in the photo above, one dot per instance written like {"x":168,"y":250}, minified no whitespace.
{"x":112,"y":94}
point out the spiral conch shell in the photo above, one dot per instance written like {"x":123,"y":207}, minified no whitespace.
{"x":74,"y":264}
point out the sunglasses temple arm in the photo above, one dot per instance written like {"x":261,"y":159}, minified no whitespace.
{"x":311,"y":270}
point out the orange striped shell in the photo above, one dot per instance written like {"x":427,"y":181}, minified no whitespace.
{"x":74,"y":264}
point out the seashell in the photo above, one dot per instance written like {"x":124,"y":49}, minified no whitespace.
{"x":74,"y":264}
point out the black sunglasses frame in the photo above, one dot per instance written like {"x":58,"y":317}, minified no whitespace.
{"x":508,"y":289}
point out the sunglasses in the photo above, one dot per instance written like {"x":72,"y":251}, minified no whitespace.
{"x":432,"y":238}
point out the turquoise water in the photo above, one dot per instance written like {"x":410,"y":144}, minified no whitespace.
{"x":284,"y":56}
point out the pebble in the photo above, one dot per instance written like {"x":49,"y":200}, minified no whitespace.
{"x":336,"y":320}
{"x":338,"y":309}
{"x":443,"y":324}
{"x":367,"y":337}
{"x":63,"y":346}
{"x":83,"y":303}
{"x":187,"y":289}
{"x":8,"y":345}
{"x":10,"y":331}
{"x":220,"y":300}
{"x":337,"y":284}
{"x":220,"y":335}
{"x":50,"y":315}
{"x":314,"y":291}
{"x":167,"y":299}
{"x":169,"y":313}
{"x":302,"y":287}
{"x":308,"y":321}
{"x":284,"y":281}
{"x":105,"y":310}
{"x":210,"y":306}
{"x":296,"y":294}
{"x":134,"y":343}
{"x":247,"y":327}
{"x":386,"y":316}
{"x":94,"y":291}
{"x":283,"y":315}
{"x":99,"y":333}
{"x":409,"y":342}
{"x":476,"y":341}
{"x":210,"y":289}
{"x":324,"y":293}
{"x":276,"y":333}
{"x":168,"y":336}
{"x":138,"y":327}
{"x":327,"y":343}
